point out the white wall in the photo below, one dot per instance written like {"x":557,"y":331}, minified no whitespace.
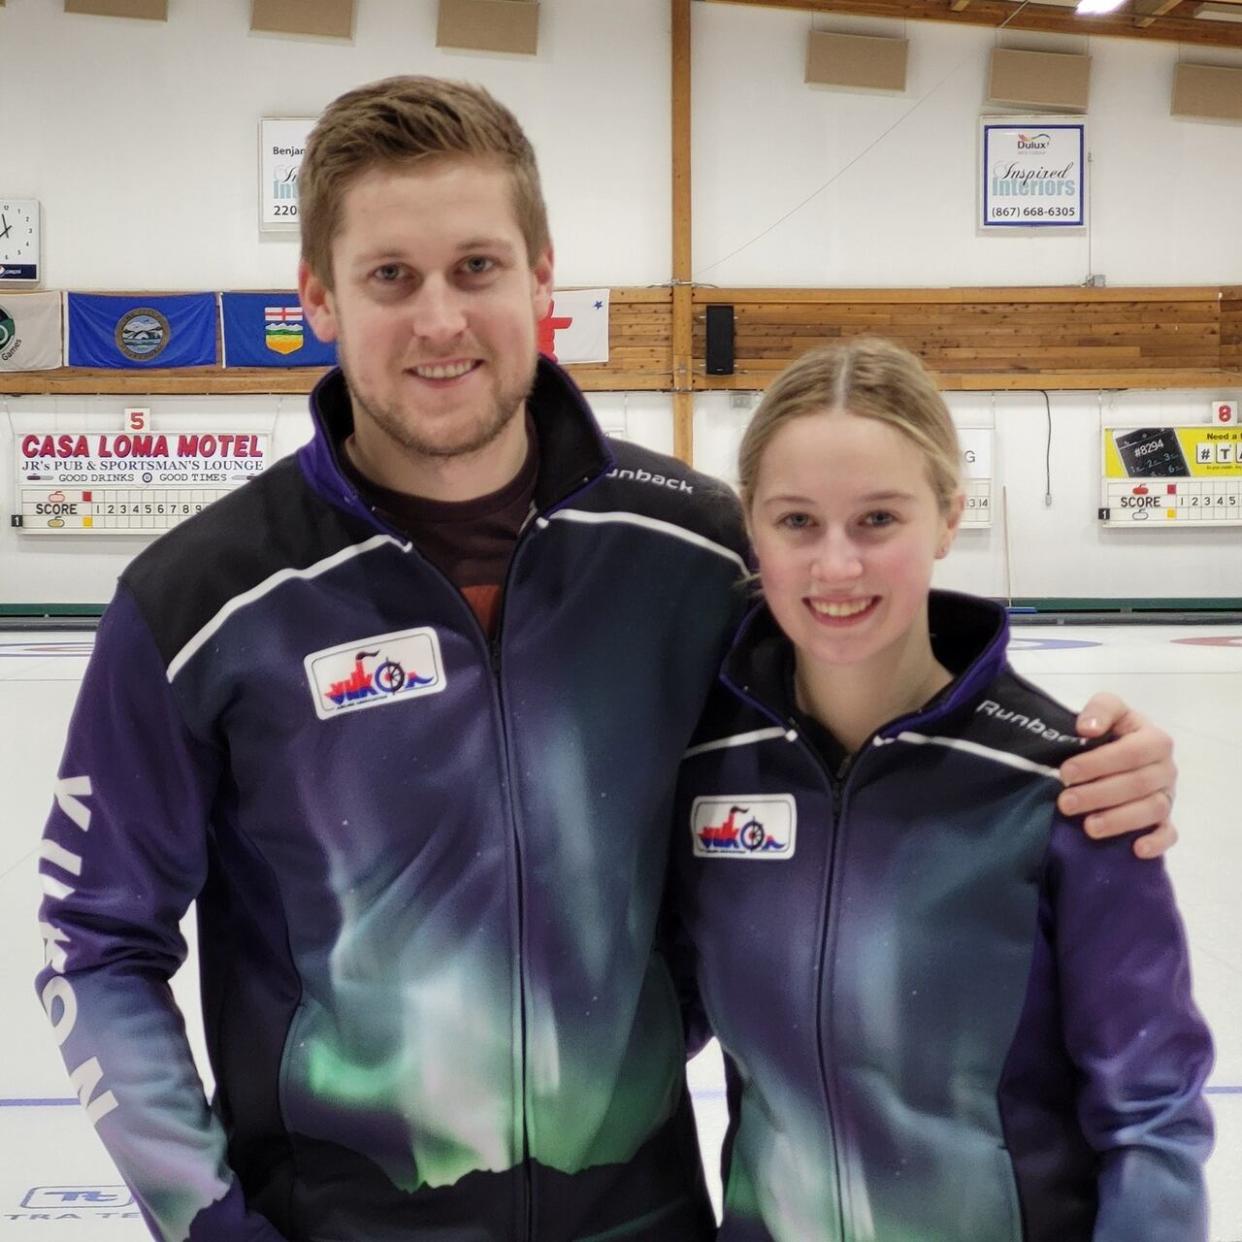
{"x":140,"y":139}
{"x":882,"y":187}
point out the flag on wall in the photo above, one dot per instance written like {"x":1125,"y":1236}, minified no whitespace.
{"x":270,"y":330}
{"x":30,"y":336}
{"x":137,"y":331}
{"x":576,"y":326}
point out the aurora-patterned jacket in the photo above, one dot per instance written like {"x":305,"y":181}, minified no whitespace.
{"x":427,"y":866}
{"x":948,"y":1015}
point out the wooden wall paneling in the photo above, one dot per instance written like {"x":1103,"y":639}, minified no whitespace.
{"x":1151,"y":337}
{"x":958,"y":295}
{"x":1070,"y":381}
{"x":1231,"y":330}
{"x":640,"y":353}
{"x":972,"y":338}
{"x":196,"y":381}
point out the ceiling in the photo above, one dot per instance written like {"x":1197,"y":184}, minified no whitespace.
{"x":1215,"y":23}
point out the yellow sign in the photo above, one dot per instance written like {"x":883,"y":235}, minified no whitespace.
{"x":1201,"y":452}
{"x":1174,"y":475}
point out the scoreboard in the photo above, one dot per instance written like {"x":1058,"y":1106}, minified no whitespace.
{"x":1171,"y":476}
{"x":976,"y":446}
{"x":93,"y":483}
{"x":111,"y":510}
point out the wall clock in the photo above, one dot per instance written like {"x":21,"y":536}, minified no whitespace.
{"x":19,"y":242}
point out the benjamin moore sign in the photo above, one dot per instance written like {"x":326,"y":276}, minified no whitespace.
{"x":1033,"y":172}
{"x":282,"y":143}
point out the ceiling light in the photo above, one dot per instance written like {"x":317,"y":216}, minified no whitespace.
{"x":1090,"y":8}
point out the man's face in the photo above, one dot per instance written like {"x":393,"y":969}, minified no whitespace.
{"x":434,"y":310}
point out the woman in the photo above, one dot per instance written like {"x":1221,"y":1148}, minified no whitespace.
{"x":948,"y":1015}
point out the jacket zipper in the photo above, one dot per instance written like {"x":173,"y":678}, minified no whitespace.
{"x":837,"y":789}
{"x":493,"y":645}
{"x":494,"y":660}
{"x":494,"y":652}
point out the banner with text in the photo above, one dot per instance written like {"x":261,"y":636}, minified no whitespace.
{"x":282,"y":143}
{"x":30,"y":335}
{"x":126,"y":483}
{"x":1033,"y":172}
{"x":1173,"y":476}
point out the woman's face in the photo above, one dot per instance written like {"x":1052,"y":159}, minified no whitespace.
{"x":846,"y":528}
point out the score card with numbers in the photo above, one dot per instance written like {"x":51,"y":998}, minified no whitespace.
{"x":1171,"y":476}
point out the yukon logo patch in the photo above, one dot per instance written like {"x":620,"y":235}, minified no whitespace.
{"x":372,"y":672}
{"x":759,"y":827}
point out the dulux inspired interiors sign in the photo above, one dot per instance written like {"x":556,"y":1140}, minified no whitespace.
{"x":1033,"y":172}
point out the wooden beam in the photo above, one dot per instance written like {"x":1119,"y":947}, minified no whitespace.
{"x":640,"y":358}
{"x":972,"y":338}
{"x":207,"y":381}
{"x":1176,"y":26}
{"x":1149,"y":10}
{"x":267,"y":383}
{"x":958,"y":5}
{"x":683,"y":296}
{"x":1030,"y":381}
{"x":965,"y":294}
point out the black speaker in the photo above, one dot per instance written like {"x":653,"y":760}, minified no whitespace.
{"x":720,"y":340}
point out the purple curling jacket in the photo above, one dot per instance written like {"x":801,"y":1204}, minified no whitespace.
{"x":427,"y":866}
{"x":947,"y":1014}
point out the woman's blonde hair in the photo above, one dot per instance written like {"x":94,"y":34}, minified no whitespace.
{"x":867,"y":377}
{"x":404,"y":120}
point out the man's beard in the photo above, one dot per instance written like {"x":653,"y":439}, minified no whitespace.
{"x":470,"y":437}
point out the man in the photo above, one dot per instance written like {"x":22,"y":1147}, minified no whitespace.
{"x":403,"y":716}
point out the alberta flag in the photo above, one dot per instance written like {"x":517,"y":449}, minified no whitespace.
{"x":270,"y":330}
{"x":142,"y":331}
{"x":30,"y":338}
{"x":576,"y":326}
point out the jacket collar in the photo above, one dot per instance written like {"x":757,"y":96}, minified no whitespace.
{"x":572,"y":450}
{"x":970,"y":637}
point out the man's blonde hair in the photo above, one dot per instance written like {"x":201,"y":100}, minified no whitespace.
{"x":870,"y":378}
{"x":399,"y":122}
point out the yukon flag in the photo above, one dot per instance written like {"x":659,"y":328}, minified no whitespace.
{"x":576,"y":327}
{"x":30,"y":335}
